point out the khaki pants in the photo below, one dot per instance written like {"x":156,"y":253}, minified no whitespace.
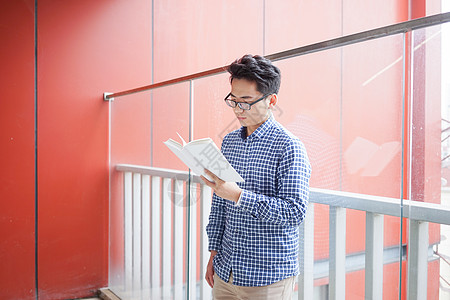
{"x":281,"y":290}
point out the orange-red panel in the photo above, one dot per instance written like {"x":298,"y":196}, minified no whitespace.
{"x":85,"y":48}
{"x":193,"y":36}
{"x":17,"y":197}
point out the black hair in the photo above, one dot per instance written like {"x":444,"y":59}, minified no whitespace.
{"x":258,"y":69}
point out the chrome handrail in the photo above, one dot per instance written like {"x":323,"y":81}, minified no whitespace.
{"x":316,"y":47}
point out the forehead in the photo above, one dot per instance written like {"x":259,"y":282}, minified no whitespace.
{"x":244,"y":87}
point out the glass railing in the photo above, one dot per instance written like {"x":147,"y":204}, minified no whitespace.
{"x":368,"y":108}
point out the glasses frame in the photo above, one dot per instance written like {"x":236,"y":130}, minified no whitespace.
{"x":233,"y":103}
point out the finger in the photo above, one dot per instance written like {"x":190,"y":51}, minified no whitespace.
{"x":212,"y":175}
{"x":209,"y":280}
{"x":212,"y":280}
{"x":210,"y":283}
{"x":207,"y":182}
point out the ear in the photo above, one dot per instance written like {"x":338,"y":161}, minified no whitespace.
{"x":273,"y":101}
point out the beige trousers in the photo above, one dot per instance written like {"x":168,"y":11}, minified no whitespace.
{"x":281,"y":290}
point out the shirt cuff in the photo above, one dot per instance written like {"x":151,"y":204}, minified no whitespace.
{"x":214,"y":245}
{"x":239,"y":200}
{"x":247,"y":201}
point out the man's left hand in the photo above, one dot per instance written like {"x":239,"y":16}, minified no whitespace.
{"x":226,"y":190}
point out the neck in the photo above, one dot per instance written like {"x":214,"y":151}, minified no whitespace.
{"x":251,"y":129}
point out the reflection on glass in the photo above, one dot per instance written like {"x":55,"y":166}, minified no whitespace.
{"x":429,"y":159}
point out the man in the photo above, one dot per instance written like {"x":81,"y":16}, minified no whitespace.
{"x":253,"y":225}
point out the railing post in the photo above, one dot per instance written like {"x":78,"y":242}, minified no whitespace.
{"x":206,"y":193}
{"x":166,"y":240}
{"x":146,"y":236}
{"x":306,"y":256}
{"x":192,"y":241}
{"x":178,"y":249}
{"x":417,"y":260}
{"x":136,"y":234}
{"x":128,"y":230}
{"x":337,"y":253}
{"x":156,"y":233}
{"x":374,"y":256}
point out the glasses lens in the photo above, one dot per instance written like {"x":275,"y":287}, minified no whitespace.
{"x":244,"y":105}
{"x":230,"y":103}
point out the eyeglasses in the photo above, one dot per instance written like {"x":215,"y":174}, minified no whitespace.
{"x":242,"y":105}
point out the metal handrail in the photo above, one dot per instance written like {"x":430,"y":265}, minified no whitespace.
{"x":308,"y":49}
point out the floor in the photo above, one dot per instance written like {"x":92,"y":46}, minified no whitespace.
{"x":105,"y":294}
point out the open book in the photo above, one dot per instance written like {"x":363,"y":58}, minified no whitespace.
{"x":203,"y":154}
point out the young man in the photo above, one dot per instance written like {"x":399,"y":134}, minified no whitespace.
{"x":253,"y":225}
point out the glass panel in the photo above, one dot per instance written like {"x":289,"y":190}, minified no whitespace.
{"x":440,"y":269}
{"x":372,"y":110}
{"x":430,"y":110}
{"x":130,"y":143}
{"x":443,"y":248}
{"x":149,"y":213}
{"x":171,"y":116}
{"x":349,"y":118}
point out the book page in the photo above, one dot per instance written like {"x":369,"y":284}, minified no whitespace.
{"x":185,"y":157}
{"x":184,"y":143}
{"x":207,"y":154}
{"x":204,"y":154}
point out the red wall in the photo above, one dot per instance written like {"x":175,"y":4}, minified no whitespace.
{"x":17,"y":197}
{"x":84,"y":48}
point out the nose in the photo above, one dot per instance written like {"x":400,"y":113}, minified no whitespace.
{"x":237,"y":109}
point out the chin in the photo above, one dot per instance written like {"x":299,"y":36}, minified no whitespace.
{"x":242,"y":123}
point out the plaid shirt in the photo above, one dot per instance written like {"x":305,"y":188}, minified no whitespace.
{"x":258,"y":238}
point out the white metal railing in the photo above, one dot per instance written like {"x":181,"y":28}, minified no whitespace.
{"x":158,"y":266}
{"x":161,"y":259}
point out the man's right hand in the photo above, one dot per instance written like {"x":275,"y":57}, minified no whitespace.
{"x":210,"y":269}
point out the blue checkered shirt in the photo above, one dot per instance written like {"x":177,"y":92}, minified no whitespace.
{"x":258,"y":238}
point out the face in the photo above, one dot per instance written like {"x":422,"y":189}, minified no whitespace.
{"x":243,"y":90}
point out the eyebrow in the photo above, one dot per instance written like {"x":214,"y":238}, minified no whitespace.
{"x":244,"y":97}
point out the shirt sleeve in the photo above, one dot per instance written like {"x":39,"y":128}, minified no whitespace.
{"x":216,"y":225}
{"x":288,"y":206}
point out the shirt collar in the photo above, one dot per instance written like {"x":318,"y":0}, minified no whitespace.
{"x":260,"y":131}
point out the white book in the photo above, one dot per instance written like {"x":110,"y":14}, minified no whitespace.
{"x":204,"y":154}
